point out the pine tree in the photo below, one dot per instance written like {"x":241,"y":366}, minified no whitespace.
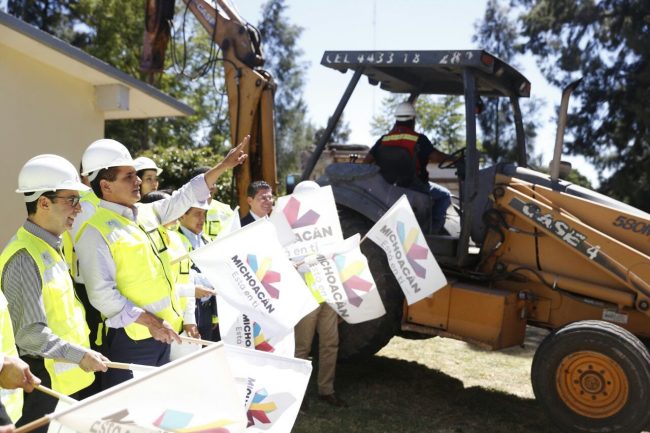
{"x":607,"y":43}
{"x":280,"y":44}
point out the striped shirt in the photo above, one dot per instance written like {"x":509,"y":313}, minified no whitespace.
{"x":23,"y":288}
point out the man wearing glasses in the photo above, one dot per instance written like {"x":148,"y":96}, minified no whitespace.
{"x":260,"y":200}
{"x":48,"y":321}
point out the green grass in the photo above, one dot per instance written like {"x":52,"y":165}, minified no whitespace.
{"x":435,"y":385}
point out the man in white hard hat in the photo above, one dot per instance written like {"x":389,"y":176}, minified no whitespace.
{"x":48,"y":321}
{"x":323,"y":320}
{"x":388,"y":153}
{"x":148,"y":172}
{"x":119,"y":258}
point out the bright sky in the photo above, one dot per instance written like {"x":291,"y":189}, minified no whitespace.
{"x":390,"y":25}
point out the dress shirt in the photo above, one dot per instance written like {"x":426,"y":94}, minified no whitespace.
{"x":23,"y":288}
{"x":96,"y":263}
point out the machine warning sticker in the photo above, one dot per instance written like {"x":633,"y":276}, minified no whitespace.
{"x":614,"y":317}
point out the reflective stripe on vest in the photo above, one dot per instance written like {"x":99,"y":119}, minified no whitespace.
{"x":12,"y":399}
{"x":65,"y":314}
{"x":188,"y":246}
{"x":141,"y":275}
{"x":214,"y":218}
{"x":404,"y":138}
{"x":180,"y":269}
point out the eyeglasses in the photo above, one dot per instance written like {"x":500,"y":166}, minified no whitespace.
{"x":72,"y":200}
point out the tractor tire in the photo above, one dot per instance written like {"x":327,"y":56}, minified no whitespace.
{"x":363,"y":340}
{"x":593,"y":376}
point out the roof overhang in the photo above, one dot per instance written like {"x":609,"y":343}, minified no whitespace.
{"x":118,"y":95}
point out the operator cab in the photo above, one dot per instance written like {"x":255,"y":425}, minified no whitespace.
{"x":468,"y":73}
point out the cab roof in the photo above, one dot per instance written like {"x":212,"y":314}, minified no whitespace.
{"x":431,"y":72}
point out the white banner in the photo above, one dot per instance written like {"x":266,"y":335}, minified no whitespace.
{"x":342,"y":277}
{"x":195,"y":394}
{"x":238,"y":329}
{"x":250,"y":270}
{"x":398,"y":233}
{"x":313,"y":218}
{"x":271,"y":387}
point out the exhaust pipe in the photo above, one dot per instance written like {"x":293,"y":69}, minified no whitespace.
{"x":561,"y":125}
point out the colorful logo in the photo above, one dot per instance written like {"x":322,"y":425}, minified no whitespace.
{"x":292,"y":210}
{"x":259,"y":408}
{"x":264,"y":274}
{"x":413,"y":251}
{"x":261,"y":343}
{"x":177,"y":421}
{"x":350,"y":277}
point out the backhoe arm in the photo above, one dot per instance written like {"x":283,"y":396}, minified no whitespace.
{"x":250,"y":89}
{"x":627,"y":265}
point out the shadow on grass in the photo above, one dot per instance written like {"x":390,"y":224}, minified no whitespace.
{"x":534,"y":337}
{"x":391,"y":395}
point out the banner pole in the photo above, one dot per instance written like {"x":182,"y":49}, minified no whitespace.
{"x":55,"y":394}
{"x":196,"y":341}
{"x":40,"y":422}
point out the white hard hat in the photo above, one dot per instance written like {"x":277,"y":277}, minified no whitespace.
{"x":144,"y":163}
{"x":47,"y":173}
{"x":201,"y":205}
{"x":405,"y":111}
{"x":306,"y":185}
{"x":102,"y":154}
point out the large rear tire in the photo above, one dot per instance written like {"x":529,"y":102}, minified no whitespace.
{"x":593,"y":376}
{"x":365,"y":339}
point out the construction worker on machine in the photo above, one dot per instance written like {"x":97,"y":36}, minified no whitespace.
{"x":402,"y":156}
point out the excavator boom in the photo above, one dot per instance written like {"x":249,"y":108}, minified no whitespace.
{"x":250,"y":89}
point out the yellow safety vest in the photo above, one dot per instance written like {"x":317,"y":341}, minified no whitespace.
{"x":180,"y":269}
{"x":217,"y":213}
{"x":188,"y":247}
{"x":141,"y":276}
{"x":12,"y":399}
{"x":69,"y":252}
{"x":65,"y":314}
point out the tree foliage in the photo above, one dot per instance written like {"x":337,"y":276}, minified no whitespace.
{"x":111,"y":30}
{"x":280,"y":44}
{"x":340,"y":134}
{"x":498,"y":33}
{"x":607,"y":43}
{"x":178,"y":165}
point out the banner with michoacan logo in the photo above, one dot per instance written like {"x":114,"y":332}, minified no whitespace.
{"x":312,"y":218}
{"x":342,"y":277}
{"x":398,"y":233}
{"x":250,"y":270}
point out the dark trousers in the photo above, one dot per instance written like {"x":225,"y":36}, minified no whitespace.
{"x":37,"y":403}
{"x":120,"y":348}
{"x":204,"y":313}
{"x":4,"y":416}
{"x":93,"y":319}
